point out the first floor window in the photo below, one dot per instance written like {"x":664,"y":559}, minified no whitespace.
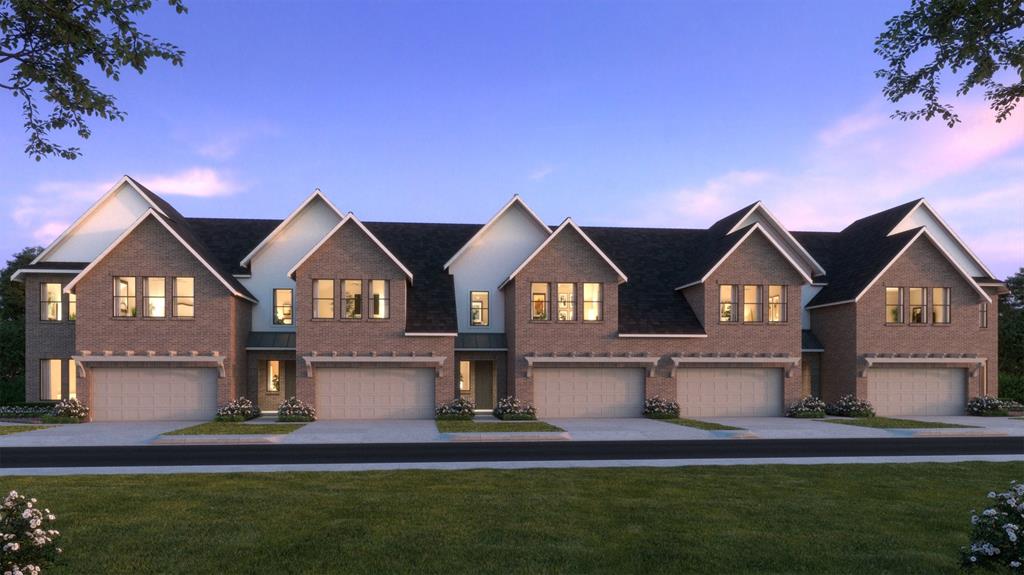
{"x":124,"y":297}
{"x":50,"y":379}
{"x":72,"y":307}
{"x":983,"y":310}
{"x":273,"y":376}
{"x":592,"y":304}
{"x":465,"y":379}
{"x":49,"y":302}
{"x":352,"y":294}
{"x":566,"y":302}
{"x":478,"y":304}
{"x":940,"y":305}
{"x":72,"y":379}
{"x":379,"y":299}
{"x":539,"y":301}
{"x":727,"y":303}
{"x":323,"y":299}
{"x":893,"y":305}
{"x":283,"y":306}
{"x":155,"y":295}
{"x":752,"y":303}
{"x":777,"y":311}
{"x":184,"y":297}
{"x":916,"y":297}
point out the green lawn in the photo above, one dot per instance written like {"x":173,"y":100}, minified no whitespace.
{"x":233,"y":428}
{"x":500,"y":426}
{"x":894,"y":518}
{"x":705,"y":425}
{"x":9,"y":429}
{"x":893,"y":423}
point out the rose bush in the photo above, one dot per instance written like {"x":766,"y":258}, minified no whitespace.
{"x":27,"y":544}
{"x":997,"y":533}
{"x":807,"y":407}
{"x":850,"y":406}
{"x":658,"y":408}
{"x":456,"y":409}
{"x":239,"y":409}
{"x":294,"y":409}
{"x":986,"y":405}
{"x":509,"y":408}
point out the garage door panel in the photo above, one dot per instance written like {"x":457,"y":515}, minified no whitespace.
{"x":375,"y":393}
{"x":729,"y":392}
{"x":153,"y":394}
{"x":917,"y":391}
{"x":588,"y":392}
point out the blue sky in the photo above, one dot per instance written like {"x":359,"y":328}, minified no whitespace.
{"x":660,"y":114}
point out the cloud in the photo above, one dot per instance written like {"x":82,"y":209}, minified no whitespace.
{"x":195,"y":182}
{"x":540,"y":173}
{"x":227,"y":143}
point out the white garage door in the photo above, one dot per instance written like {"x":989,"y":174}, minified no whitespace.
{"x":729,"y":391}
{"x":151,"y":394}
{"x":917,"y":391}
{"x":375,"y":393}
{"x":588,"y":392}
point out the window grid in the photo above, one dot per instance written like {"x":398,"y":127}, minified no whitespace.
{"x":479,"y":314}
{"x":940,"y":305}
{"x":154,"y":296}
{"x":752,"y":303}
{"x":727,"y":296}
{"x":777,"y":304}
{"x":539,"y":301}
{"x":566,"y":301}
{"x":917,"y":304}
{"x":124,"y":297}
{"x":282,"y":306}
{"x":184,"y":297}
{"x":893,"y":305}
{"x":593,"y":306}
{"x":983,"y":310}
{"x":323,"y":299}
{"x":379,"y":300}
{"x":352,"y":296}
{"x":50,"y":302}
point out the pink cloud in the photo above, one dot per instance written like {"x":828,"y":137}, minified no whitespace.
{"x":195,"y":182}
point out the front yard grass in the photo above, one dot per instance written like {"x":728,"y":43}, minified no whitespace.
{"x":233,"y":428}
{"x":462,"y":426}
{"x":705,"y":425}
{"x":893,"y":423}
{"x":884,"y":518}
{"x":9,"y":429}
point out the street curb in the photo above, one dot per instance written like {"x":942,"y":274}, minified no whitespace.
{"x":216,"y":439}
{"x":507,"y":436}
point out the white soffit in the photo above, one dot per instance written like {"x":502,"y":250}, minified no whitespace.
{"x":350,"y":217}
{"x":566,"y":224}
{"x":317,"y":194}
{"x":759,"y":214}
{"x":515,"y":201}
{"x":923,"y":215}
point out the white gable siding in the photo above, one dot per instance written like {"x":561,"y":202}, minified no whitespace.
{"x":489,"y":260}
{"x":100,"y":228}
{"x":271,"y":264}
{"x":922,"y":217}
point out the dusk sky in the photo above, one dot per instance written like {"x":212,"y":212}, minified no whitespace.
{"x":639,"y":114}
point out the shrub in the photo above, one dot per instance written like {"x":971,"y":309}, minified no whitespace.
{"x":807,"y":407}
{"x":997,"y":533}
{"x":850,"y":406}
{"x":1011,"y":386}
{"x":294,"y":409}
{"x":70,"y":408}
{"x":28,"y":544}
{"x":658,"y":408}
{"x":986,"y":405}
{"x":239,"y":409}
{"x":25,"y":410}
{"x":510,"y":408}
{"x":455,"y":409}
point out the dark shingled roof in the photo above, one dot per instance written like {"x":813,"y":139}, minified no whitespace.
{"x":496,"y":341}
{"x":230,"y":240}
{"x":270,"y":339}
{"x":57,"y":266}
{"x":809,"y":341}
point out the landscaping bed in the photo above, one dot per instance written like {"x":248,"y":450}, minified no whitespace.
{"x":234,"y":428}
{"x":464,"y":426}
{"x":705,"y":425}
{"x":894,"y":423}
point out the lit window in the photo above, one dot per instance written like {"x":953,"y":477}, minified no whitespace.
{"x":465,"y":380}
{"x":72,"y":307}
{"x":983,"y":310}
{"x":940,"y":305}
{"x":379,"y":299}
{"x":49,"y":379}
{"x":49,"y":302}
{"x":124,"y":297}
{"x":478,"y":312}
{"x":566,"y":302}
{"x":352,"y":293}
{"x":777,"y":312}
{"x":273,"y":376}
{"x":727,"y":303}
{"x":323,"y":299}
{"x":184,"y":297}
{"x":155,"y":295}
{"x":752,"y":303}
{"x":592,"y":304}
{"x":539,"y":301}
{"x":72,"y":380}
{"x":283,"y":306}
{"x":915,"y":300}
{"x":893,"y":305}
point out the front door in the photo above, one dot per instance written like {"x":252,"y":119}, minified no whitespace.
{"x":476,"y":382}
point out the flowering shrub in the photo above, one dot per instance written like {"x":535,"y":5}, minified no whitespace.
{"x":658,"y":408}
{"x":239,"y":409}
{"x":850,"y":406}
{"x":25,"y":410}
{"x":68,"y":411}
{"x":511,"y":408}
{"x":455,"y":409}
{"x":27,"y":543}
{"x":997,"y":539}
{"x":294,"y":409}
{"x":986,"y":405}
{"x":808,"y":407}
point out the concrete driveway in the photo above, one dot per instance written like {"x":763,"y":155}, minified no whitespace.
{"x":107,"y":433}
{"x":631,"y":429}
{"x":366,"y":431}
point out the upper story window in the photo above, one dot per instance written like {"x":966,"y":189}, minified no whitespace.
{"x":478,"y":308}
{"x":379,"y":301}
{"x":727,"y":301}
{"x":983,"y":311}
{"x":323,"y":299}
{"x":916,"y":302}
{"x":539,"y":301}
{"x":283,"y":306}
{"x":184,"y":297}
{"x":124,"y":297}
{"x":777,"y":312}
{"x":352,"y":296}
{"x":893,"y":305}
{"x":592,"y":303}
{"x":72,"y":307}
{"x":155,"y":295}
{"x":49,"y":302}
{"x":940,"y":305}
{"x":566,"y":302}
{"x":752,"y":303}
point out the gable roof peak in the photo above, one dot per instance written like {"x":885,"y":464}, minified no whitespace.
{"x":566,"y":223}
{"x":351,"y":217}
{"x":516,"y":200}
{"x":317,"y":194}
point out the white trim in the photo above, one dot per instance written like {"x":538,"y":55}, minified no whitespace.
{"x":270,"y":349}
{"x":971,"y":363}
{"x":350,"y":217}
{"x":515,"y":200}
{"x":148,"y":213}
{"x":429,"y":334}
{"x":812,"y":350}
{"x":280,"y":227}
{"x":668,"y":335}
{"x":923,"y":202}
{"x":991,"y":284}
{"x":753,"y":227}
{"x":648,"y":363}
{"x":540,"y":248}
{"x":311,"y":360}
{"x":18,"y":273}
{"x":831,"y":304}
{"x":64,"y":235}
{"x":778,"y":225}
{"x":787,"y":363}
{"x":216,"y":361}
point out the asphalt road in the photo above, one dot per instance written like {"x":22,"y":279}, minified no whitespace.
{"x":160,"y":455}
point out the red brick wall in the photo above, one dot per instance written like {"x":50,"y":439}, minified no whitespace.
{"x":45,"y":339}
{"x":836,"y":328}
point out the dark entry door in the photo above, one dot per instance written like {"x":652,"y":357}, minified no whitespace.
{"x":483,"y":382}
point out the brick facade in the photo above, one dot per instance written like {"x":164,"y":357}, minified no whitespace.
{"x":46,"y":339}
